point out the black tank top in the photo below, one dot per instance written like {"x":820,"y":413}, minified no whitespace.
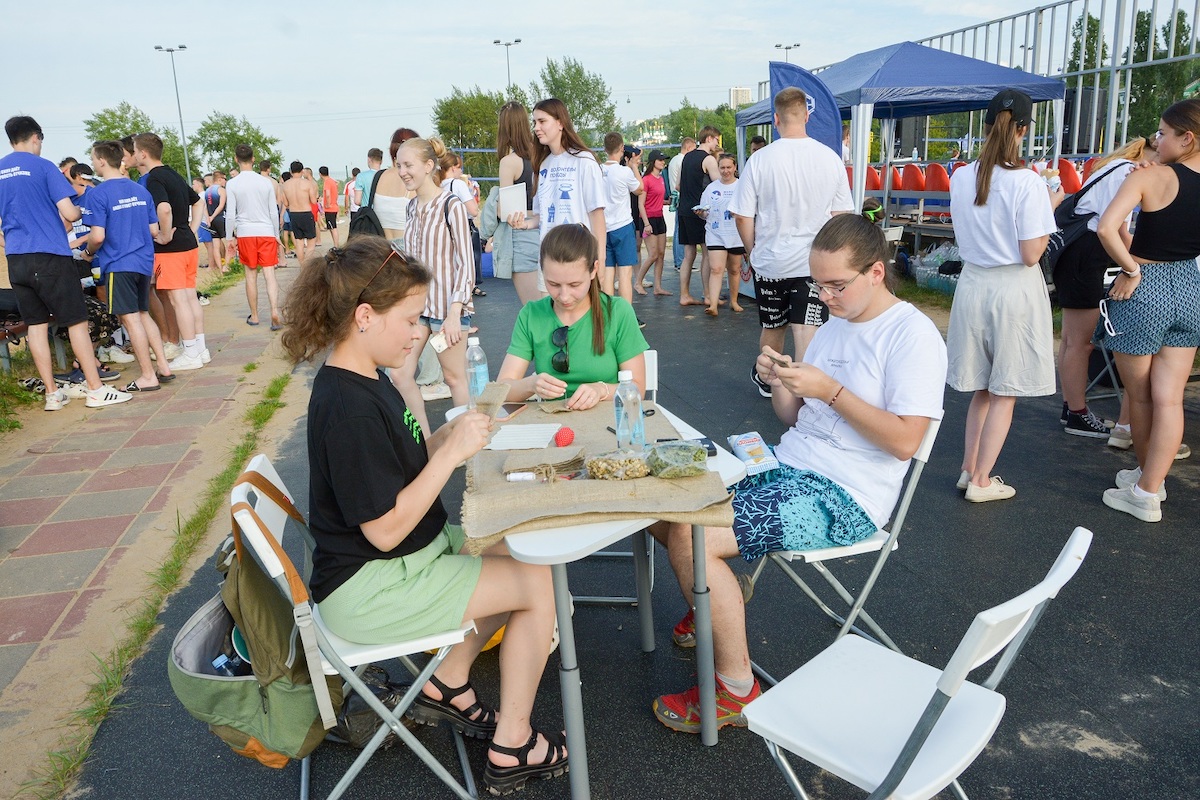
{"x":1171,"y":233}
{"x":692,"y":180}
{"x":527,"y":179}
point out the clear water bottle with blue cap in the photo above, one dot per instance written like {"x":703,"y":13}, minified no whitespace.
{"x":477,"y":370}
{"x":627,"y":404}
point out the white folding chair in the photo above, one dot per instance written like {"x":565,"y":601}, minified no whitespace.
{"x":1110,"y":367}
{"x":882,"y":542}
{"x":262,"y":520}
{"x":893,"y":726}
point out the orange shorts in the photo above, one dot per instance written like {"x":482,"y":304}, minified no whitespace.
{"x":258,"y":251}
{"x":176,"y":270}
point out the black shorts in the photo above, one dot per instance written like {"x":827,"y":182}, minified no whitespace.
{"x":331,"y":220}
{"x":46,"y":286}
{"x":658,"y":226}
{"x":128,"y":292}
{"x":1079,"y":273}
{"x":217,"y":226}
{"x":638,"y":226}
{"x":303,"y":224}
{"x":691,"y":229}
{"x":789,"y":301}
{"x":733,"y":251}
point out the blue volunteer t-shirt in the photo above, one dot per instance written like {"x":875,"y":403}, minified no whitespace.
{"x":125,"y":211}
{"x":30,"y":188}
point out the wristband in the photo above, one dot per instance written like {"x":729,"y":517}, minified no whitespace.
{"x":833,"y":399}
{"x":1133,"y":274}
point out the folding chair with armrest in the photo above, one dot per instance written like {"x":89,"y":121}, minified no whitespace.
{"x":882,"y":542}
{"x":262,"y":520}
{"x":894,"y":726}
{"x":1110,"y":366}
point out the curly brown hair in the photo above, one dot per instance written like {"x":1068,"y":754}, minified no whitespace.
{"x":321,"y":303}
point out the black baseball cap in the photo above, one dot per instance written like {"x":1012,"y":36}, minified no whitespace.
{"x":657,"y":155}
{"x":1011,"y":100}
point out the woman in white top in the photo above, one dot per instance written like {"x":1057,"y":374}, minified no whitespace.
{"x":568,"y":184}
{"x":1001,"y":339}
{"x":437,"y":235}
{"x":390,"y":200}
{"x":724,"y":245}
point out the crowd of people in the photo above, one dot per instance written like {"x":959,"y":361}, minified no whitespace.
{"x":864,"y":379}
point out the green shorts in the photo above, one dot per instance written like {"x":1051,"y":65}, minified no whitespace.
{"x":396,"y":599}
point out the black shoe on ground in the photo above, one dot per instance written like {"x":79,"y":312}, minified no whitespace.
{"x":763,"y":388}
{"x":1086,"y":425}
{"x":1062,"y":420}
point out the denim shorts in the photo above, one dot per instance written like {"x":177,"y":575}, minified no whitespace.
{"x":795,"y":509}
{"x":1164,"y":311}
{"x":435,"y":325}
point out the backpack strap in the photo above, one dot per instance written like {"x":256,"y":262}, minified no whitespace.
{"x":446,"y":210}
{"x":374,"y":184}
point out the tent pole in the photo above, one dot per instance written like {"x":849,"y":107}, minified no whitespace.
{"x":887,"y":132}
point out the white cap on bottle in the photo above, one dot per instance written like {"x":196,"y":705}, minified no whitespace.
{"x":624,"y":375}
{"x":472,"y":341}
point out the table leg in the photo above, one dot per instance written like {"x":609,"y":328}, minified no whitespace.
{"x":705,"y":667}
{"x":572,"y":695}
{"x":641,"y":562}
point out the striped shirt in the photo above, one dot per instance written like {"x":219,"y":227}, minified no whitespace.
{"x":445,"y":250}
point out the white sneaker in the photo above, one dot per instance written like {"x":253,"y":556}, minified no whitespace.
{"x":1120,"y":438}
{"x":106,"y":396}
{"x":996,"y":490}
{"x":118,"y":356}
{"x":1147,"y":509}
{"x":1128,"y":477}
{"x":172,"y":350}
{"x":102,"y":354}
{"x":74,"y":390}
{"x":435,"y":391}
{"x":205,"y":356}
{"x":184,"y":362}
{"x":56,"y":400}
{"x":1183,"y":452}
{"x":964,"y":480}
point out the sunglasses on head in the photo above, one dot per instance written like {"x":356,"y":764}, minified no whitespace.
{"x":561,"y":361}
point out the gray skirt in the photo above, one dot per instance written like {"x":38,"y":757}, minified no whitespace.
{"x":1001,"y":335}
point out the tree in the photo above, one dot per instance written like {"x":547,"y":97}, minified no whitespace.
{"x":468,"y":119}
{"x":586,"y":95}
{"x":687,"y":120}
{"x":219,"y":134}
{"x":126,"y":119}
{"x":1089,"y":59}
{"x":1153,"y":88}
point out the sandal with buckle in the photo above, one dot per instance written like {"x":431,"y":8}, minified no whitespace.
{"x":506,"y":780}
{"x":477,"y":721}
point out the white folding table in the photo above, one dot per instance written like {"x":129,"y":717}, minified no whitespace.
{"x":561,"y":546}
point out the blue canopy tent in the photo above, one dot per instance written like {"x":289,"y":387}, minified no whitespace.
{"x":909,"y":80}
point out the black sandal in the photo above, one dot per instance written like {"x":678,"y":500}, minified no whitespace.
{"x":427,"y":711}
{"x":478,"y":292}
{"x":505,"y":780}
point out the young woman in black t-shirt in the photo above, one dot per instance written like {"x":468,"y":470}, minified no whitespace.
{"x":387,"y":565}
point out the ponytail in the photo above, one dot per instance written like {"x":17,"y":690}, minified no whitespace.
{"x":1001,"y":149}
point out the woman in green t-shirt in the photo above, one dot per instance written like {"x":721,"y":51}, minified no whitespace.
{"x":577,"y":338}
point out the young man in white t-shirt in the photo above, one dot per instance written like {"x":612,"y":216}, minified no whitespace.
{"x":621,"y":244}
{"x":785,"y":194}
{"x":252,"y":220}
{"x":859,"y":405}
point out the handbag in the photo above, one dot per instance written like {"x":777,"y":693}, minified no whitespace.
{"x":1071,"y":226}
{"x":367,"y":221}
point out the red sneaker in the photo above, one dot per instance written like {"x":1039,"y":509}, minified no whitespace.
{"x":684,"y":634}
{"x":681,"y":712}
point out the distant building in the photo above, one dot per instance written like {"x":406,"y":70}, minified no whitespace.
{"x":739,"y":96}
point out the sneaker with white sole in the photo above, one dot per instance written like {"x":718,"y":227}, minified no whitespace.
{"x":106,"y":396}
{"x":1147,"y":509}
{"x":205,"y":356}
{"x":172,"y":350}
{"x":1183,"y":452}
{"x":1128,"y":477}
{"x":1120,"y":438}
{"x":964,"y":480}
{"x":184,"y":362}
{"x":435,"y":391}
{"x":996,"y":490}
{"x":56,"y":400}
{"x":75,"y":391}
{"x":1086,"y":424}
{"x":118,"y":356}
{"x":763,"y":387}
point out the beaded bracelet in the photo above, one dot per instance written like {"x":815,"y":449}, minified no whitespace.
{"x":833,"y":399}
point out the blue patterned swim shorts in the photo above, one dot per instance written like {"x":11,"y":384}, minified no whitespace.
{"x":792,"y":509}
{"x":1164,"y":311}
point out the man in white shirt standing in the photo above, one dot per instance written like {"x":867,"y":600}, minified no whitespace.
{"x":791,"y":188}
{"x":621,"y":245}
{"x":252,"y":223}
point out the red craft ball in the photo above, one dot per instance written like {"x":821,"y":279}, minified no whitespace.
{"x":564,"y":437}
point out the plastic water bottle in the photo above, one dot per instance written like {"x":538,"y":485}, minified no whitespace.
{"x":627,"y":404}
{"x":477,"y":370}
{"x":915,"y":154}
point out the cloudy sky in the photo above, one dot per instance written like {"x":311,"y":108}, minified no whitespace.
{"x":331,"y":80}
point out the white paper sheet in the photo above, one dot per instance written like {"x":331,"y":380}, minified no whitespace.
{"x":523,"y":437}
{"x":512,"y":200}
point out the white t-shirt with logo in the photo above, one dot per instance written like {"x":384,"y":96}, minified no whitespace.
{"x":619,"y":183}
{"x":1017,"y":209}
{"x":720,"y":230}
{"x":790,"y":188}
{"x":897,"y":362}
{"x":570,"y":187}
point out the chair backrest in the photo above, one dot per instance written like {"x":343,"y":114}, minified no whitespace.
{"x":874,"y":183}
{"x":896,"y":182}
{"x":913,"y":178}
{"x":1071,"y":182}
{"x":1088,"y":166}
{"x":651,"y":357}
{"x":936,"y":178}
{"x":273,"y":515}
{"x":920,"y":459}
{"x":1007,"y":626}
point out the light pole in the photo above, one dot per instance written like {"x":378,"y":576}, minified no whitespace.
{"x":507,"y":62}
{"x":786,"y":48}
{"x":187,"y":164}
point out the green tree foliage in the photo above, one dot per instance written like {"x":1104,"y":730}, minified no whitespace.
{"x":1080,"y":60}
{"x":468,"y":119}
{"x":219,"y":134}
{"x":126,"y":119}
{"x":688,"y":119}
{"x":1154,"y":88}
{"x":586,"y":95}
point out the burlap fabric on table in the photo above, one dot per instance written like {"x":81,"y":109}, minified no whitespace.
{"x":493,"y":507}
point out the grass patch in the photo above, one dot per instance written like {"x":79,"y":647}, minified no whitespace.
{"x":220,"y":283}
{"x":907,"y":289}
{"x":12,"y":394}
{"x":249,"y":367}
{"x":63,"y":764}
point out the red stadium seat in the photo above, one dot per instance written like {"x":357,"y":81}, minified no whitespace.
{"x":1071,"y":182}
